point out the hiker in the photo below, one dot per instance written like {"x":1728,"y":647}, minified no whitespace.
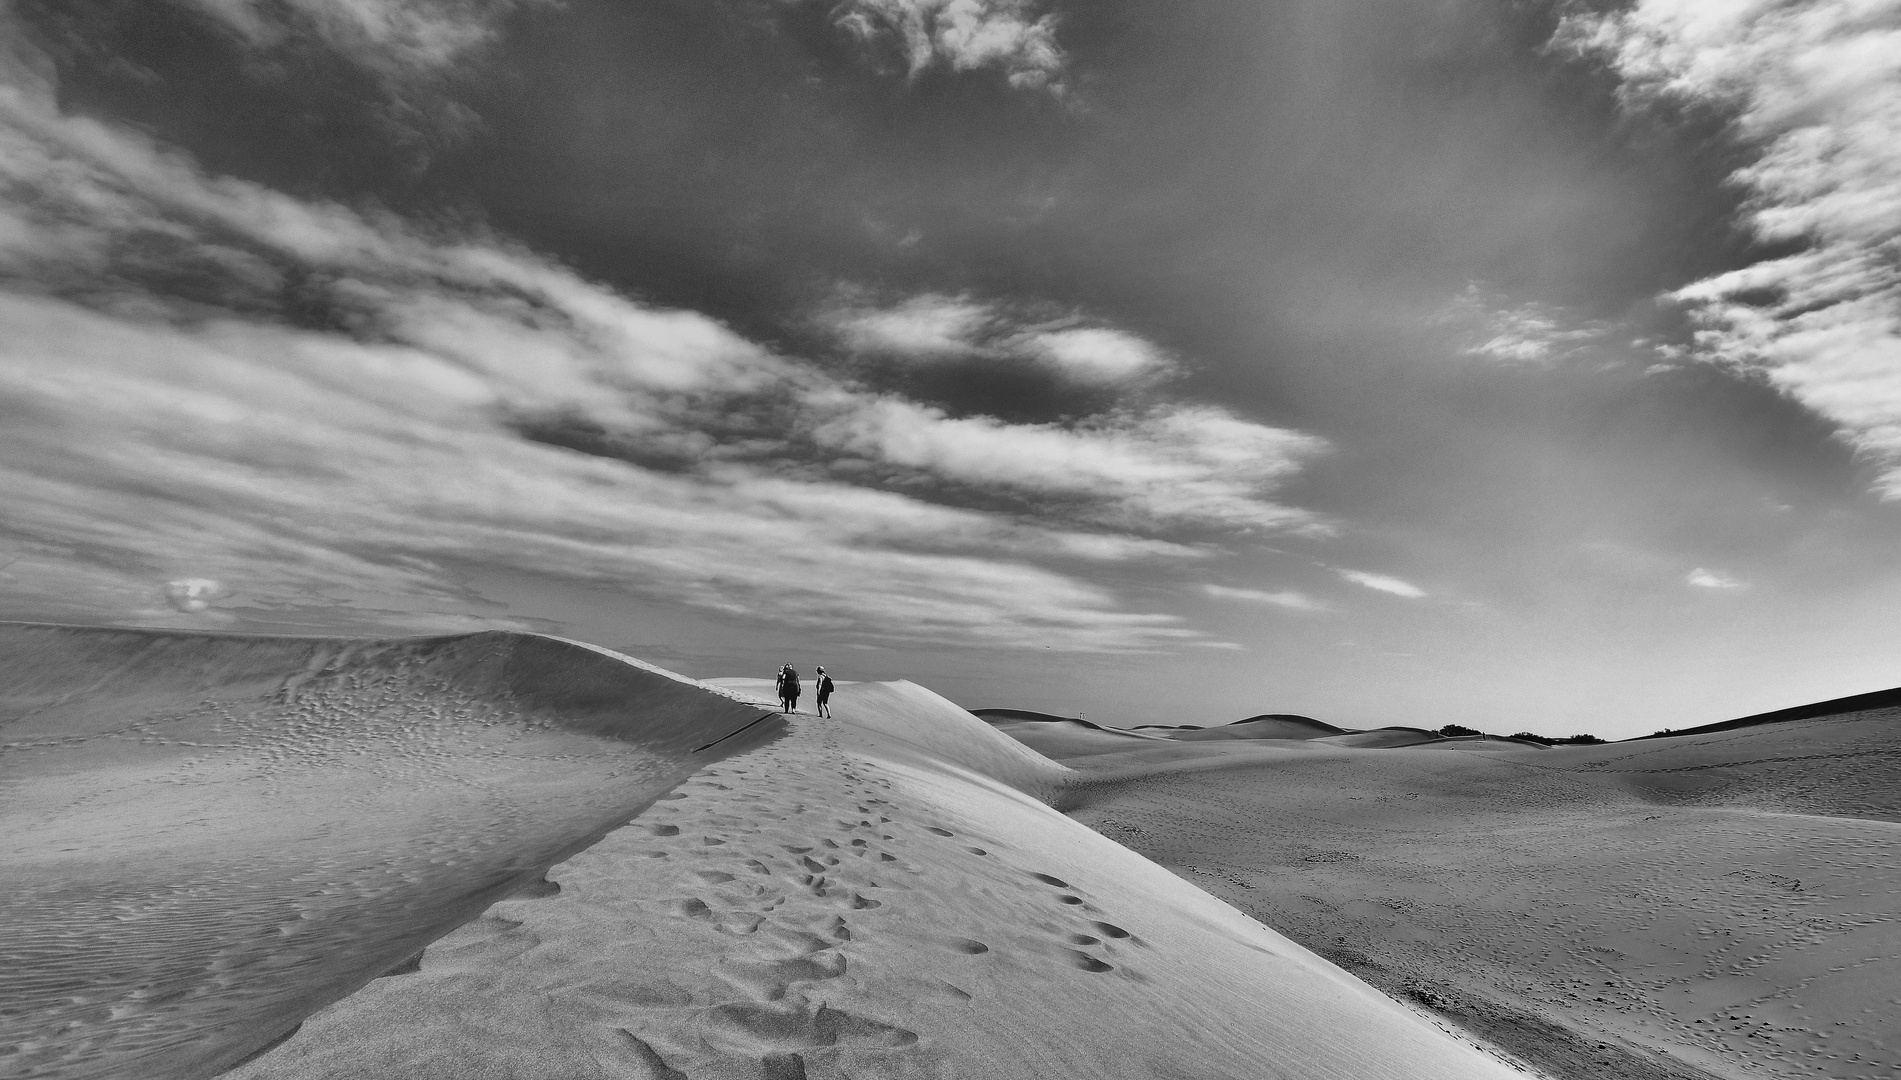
{"x":788,"y":689}
{"x":822,"y":686}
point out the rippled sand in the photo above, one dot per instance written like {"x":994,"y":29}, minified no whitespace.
{"x":1721,"y":904}
{"x":207,"y":838}
{"x":415,"y":860}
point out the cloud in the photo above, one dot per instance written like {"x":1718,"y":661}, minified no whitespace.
{"x":1521,"y":334}
{"x":963,"y":35}
{"x":1815,"y":92}
{"x":1713,"y":579}
{"x":194,"y":594}
{"x":1096,"y":355}
{"x":339,"y":409}
{"x":922,"y":327}
{"x":1383,"y":583}
{"x":934,"y":327}
{"x":380,"y":34}
{"x":1290,"y":599}
{"x":1178,"y":465}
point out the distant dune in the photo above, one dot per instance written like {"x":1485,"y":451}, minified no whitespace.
{"x":1716,"y":904}
{"x":213,"y":838}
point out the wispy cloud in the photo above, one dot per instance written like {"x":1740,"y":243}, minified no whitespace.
{"x":964,"y":35}
{"x":1713,"y":579}
{"x":383,"y":34}
{"x":1178,"y":465}
{"x":1096,"y":354}
{"x":934,"y":327}
{"x":1383,"y":583}
{"x":338,"y":408}
{"x":921,"y":327}
{"x":1815,"y":90}
{"x":1523,"y":333}
{"x":1298,"y":601}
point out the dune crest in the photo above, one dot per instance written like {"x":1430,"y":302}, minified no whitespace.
{"x":210,"y":836}
{"x":263,"y":825}
{"x":868,"y":896}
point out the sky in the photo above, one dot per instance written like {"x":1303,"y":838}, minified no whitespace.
{"x":1533,"y":366}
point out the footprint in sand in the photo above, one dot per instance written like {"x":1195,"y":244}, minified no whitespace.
{"x":1048,"y":880}
{"x":651,"y":1063}
{"x":938,"y":831}
{"x":664,"y":830}
{"x":800,"y":1027}
{"x":967,"y":946}
{"x":1087,"y":962}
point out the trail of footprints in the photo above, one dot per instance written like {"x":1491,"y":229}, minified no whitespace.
{"x":787,"y":875}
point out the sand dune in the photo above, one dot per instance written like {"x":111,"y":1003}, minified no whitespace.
{"x":1061,"y":736}
{"x":219,"y":835}
{"x":1269,"y":726}
{"x":208,"y":837}
{"x":1723,"y":904}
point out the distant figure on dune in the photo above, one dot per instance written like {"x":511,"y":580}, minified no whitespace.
{"x":788,"y":689}
{"x":822,"y":686}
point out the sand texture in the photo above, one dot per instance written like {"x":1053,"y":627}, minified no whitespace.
{"x":1723,"y":904}
{"x":870,"y":896}
{"x":206,"y":838}
{"x":234,"y":848}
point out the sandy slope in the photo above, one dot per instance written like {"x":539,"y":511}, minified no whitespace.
{"x":1723,"y":904}
{"x":203,"y":838}
{"x":870,"y":896}
{"x":213,"y":836}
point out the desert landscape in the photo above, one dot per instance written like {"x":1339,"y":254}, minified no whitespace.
{"x":506,"y":855}
{"x":1356,"y":539}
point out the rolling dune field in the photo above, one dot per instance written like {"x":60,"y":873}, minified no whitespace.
{"x":504,"y":855}
{"x":1717,"y":904}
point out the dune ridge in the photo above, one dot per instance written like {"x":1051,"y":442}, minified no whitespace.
{"x":879,"y":895}
{"x":209,"y":836}
{"x":1717,"y":904}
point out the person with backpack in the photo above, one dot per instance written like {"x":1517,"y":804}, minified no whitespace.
{"x":788,"y":689}
{"x":822,"y":686}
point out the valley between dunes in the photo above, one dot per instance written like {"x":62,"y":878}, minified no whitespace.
{"x":1715,"y":904}
{"x":513,"y":856}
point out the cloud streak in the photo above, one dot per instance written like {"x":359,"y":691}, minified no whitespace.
{"x":1291,"y":599}
{"x":936,"y":328}
{"x":1383,"y":583}
{"x":1713,"y":579}
{"x":411,"y":35}
{"x":215,"y":388}
{"x":1815,"y":90}
{"x":1527,"y":334}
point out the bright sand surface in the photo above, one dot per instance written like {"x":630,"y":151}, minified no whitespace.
{"x":217,"y":836}
{"x":1723,"y":904}
{"x":204,"y":838}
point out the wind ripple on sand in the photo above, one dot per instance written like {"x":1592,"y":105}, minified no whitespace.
{"x":208,"y":837}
